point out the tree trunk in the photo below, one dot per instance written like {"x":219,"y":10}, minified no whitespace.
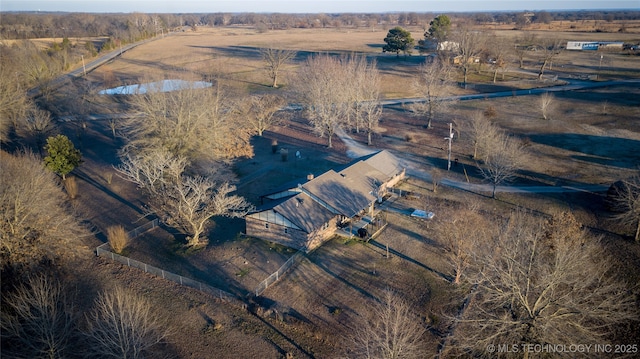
{"x":464,"y":70}
{"x":541,"y":73}
{"x":275,"y":81}
{"x":369,"y":143}
{"x":493,"y":194}
{"x":638,"y":232}
{"x":495,"y":75}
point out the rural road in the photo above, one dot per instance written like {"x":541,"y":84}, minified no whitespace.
{"x":418,"y":167}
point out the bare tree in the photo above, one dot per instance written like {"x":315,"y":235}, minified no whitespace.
{"x":35,"y":220}
{"x":523,"y":45}
{"x":483,"y":134}
{"x":542,"y":283}
{"x":37,"y":320}
{"x":321,"y":87}
{"x":627,"y":204}
{"x":195,"y":200}
{"x":261,"y":111}
{"x":198,"y":124}
{"x":434,"y":84}
{"x":550,"y":48}
{"x":390,"y":330}
{"x":363,"y":89}
{"x":36,"y":125}
{"x":505,"y":157}
{"x":185,"y":201}
{"x":470,"y":43}
{"x":499,"y":52}
{"x":124,"y":325}
{"x":274,"y":60}
{"x":546,"y":104}
{"x":460,"y":235}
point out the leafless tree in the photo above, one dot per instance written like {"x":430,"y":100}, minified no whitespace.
{"x":185,"y":201}
{"x":470,"y":45}
{"x":274,"y":60}
{"x":37,"y":320}
{"x":197,"y":124}
{"x":522,"y":46}
{"x":460,"y":235}
{"x":505,"y":157}
{"x":483,"y":133}
{"x":36,"y":125}
{"x":541,"y":282}
{"x":434,"y":84}
{"x":499,"y":52}
{"x":124,"y":325}
{"x":261,"y":111}
{"x":390,"y":330}
{"x":546,"y":104}
{"x":154,"y":171}
{"x":195,"y":200}
{"x":627,"y":204}
{"x":36,"y":221}
{"x":321,"y":87}
{"x":363,"y":90}
{"x":550,"y":48}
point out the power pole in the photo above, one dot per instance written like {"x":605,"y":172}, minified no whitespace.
{"x":450,"y":138}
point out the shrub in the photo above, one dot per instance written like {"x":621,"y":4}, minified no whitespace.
{"x":71,"y":186}
{"x":118,"y":238}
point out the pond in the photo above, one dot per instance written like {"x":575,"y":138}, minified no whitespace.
{"x":158,"y":86}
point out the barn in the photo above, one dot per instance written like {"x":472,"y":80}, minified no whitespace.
{"x":305,"y":216}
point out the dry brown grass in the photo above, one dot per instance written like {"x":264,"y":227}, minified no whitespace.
{"x":118,"y":238}
{"x":71,"y":187}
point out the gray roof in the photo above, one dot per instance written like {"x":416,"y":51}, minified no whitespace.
{"x":341,"y":192}
{"x":384,"y":162}
{"x":304,"y":212}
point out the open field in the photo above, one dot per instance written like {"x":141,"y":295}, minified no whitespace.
{"x":234,"y":52}
{"x":593,"y":137}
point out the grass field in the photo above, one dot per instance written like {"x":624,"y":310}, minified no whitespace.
{"x":592,"y":137}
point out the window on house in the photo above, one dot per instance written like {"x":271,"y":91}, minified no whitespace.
{"x":266,"y":225}
{"x":286,"y":230}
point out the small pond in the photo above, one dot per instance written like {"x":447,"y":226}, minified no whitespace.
{"x":158,"y":86}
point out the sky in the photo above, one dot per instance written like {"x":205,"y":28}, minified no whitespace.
{"x":309,"y":6}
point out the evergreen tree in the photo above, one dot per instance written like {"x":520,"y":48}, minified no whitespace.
{"x":62,"y":157}
{"x":398,"y":39}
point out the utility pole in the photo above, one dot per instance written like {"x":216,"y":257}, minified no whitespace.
{"x":450,"y":138}
{"x":84,"y":69}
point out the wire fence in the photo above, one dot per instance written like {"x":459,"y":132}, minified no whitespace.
{"x":275,"y":276}
{"x":103,"y":251}
{"x":143,"y":228}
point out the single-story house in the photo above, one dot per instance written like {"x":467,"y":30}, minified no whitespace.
{"x":313,"y":210}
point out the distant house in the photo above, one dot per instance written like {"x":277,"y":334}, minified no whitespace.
{"x":594,"y":45}
{"x":448,"y":46}
{"x":471,"y":60}
{"x":307,"y":215}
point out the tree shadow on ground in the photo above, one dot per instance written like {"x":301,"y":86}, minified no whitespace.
{"x":604,"y":150}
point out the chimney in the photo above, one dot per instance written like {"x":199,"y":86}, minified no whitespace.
{"x":309,"y":176}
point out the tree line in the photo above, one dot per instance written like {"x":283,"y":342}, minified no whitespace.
{"x":29,"y":25}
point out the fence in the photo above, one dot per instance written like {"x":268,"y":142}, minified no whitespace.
{"x":102,"y":251}
{"x":143,"y":228}
{"x":274,"y":277}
